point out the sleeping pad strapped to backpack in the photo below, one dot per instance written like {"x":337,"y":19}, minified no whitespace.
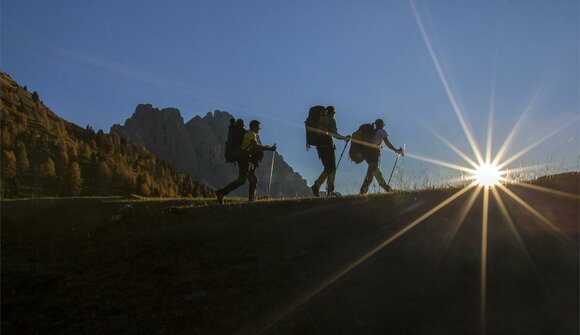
{"x":316,"y":127}
{"x":357,"y":151}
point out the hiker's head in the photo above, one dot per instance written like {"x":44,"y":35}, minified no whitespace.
{"x":379,"y":124}
{"x":232,"y":122}
{"x":255,"y":126}
{"x":330,"y":111}
{"x":240,"y":123}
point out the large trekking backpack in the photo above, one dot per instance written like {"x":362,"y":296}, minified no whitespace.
{"x":361,"y":142}
{"x":316,"y":127}
{"x":234,"y":143}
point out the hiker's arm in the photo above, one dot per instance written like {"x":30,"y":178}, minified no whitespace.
{"x":262,"y":147}
{"x":332,"y":131}
{"x":392,"y":147}
{"x":340,"y":137}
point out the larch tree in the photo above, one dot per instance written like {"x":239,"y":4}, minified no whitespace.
{"x":74,"y":179}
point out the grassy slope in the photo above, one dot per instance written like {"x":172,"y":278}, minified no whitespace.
{"x":171,"y":268}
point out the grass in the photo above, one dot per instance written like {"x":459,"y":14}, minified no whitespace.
{"x":191,"y":266}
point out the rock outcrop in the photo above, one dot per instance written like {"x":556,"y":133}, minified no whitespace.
{"x":197,"y":147}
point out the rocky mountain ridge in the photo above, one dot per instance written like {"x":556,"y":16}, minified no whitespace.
{"x":45,"y":155}
{"x":197,"y":148}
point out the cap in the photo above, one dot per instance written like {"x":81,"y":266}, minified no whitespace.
{"x":254,"y":123}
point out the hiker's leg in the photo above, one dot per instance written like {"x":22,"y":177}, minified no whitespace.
{"x":321,"y":179}
{"x":330,"y":182}
{"x":243,"y":167}
{"x":382,"y":183}
{"x":324,"y":157}
{"x":326,"y":154}
{"x":332,"y":166}
{"x":369,"y":176}
{"x":253,"y":180}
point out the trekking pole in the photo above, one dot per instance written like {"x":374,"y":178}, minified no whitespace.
{"x":381,"y":171}
{"x":396,"y":160}
{"x":342,"y":153}
{"x":271,"y":171}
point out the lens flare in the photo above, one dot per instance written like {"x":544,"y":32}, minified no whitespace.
{"x":487,"y":175}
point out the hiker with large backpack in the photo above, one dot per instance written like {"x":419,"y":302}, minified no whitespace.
{"x":366,"y":145}
{"x":320,"y":131}
{"x":248,"y":158}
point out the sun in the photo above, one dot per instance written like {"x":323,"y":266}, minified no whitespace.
{"x":487,"y":175}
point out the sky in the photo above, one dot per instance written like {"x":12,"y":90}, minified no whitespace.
{"x":425,"y":67}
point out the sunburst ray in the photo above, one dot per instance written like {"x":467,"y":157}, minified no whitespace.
{"x":454,"y":148}
{"x":459,"y":222}
{"x":490,"y":124}
{"x":483,"y":280}
{"x":508,"y":141}
{"x":514,"y":230}
{"x":535,"y":144}
{"x":448,"y":90}
{"x":331,"y":280}
{"x":547,"y":190}
{"x":534,"y":212}
{"x":441,"y":163}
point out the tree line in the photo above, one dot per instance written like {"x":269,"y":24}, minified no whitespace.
{"x":44,"y":155}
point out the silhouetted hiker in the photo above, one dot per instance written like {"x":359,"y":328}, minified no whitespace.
{"x":248,"y":160}
{"x":372,"y":156}
{"x":320,"y":129}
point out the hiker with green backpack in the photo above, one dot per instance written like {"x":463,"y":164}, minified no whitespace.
{"x":247,"y":154}
{"x":366,"y":145}
{"x":320,"y":131}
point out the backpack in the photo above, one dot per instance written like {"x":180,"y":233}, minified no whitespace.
{"x":234,"y":143}
{"x":316,"y":124}
{"x":358,"y":150}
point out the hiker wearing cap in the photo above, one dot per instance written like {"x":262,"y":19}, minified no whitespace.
{"x":372,"y":156}
{"x":326,"y":154}
{"x":248,"y":161}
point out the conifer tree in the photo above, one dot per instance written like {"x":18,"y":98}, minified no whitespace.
{"x":104,"y":173}
{"x":47,"y":169}
{"x":22,"y":157}
{"x":6,"y":137}
{"x":144,"y":190}
{"x":74,"y":180}
{"x":8,"y":165}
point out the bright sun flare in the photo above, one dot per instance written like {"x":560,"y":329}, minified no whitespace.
{"x":487,"y":175}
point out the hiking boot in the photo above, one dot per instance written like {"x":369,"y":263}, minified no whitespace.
{"x":220,"y":197}
{"x":315,"y":190}
{"x":334,"y":194}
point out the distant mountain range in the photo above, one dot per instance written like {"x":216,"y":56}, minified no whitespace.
{"x":44,"y":155}
{"x":153,"y":154}
{"x":197,"y":148}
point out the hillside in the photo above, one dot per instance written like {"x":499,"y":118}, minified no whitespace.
{"x":301,"y":266}
{"x":44,"y":155}
{"x":197,"y":147}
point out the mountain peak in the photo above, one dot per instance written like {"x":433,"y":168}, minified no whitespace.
{"x":147,"y":111}
{"x":198,"y":146}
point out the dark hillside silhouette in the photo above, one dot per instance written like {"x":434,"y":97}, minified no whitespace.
{"x":44,"y":155}
{"x":168,"y":267}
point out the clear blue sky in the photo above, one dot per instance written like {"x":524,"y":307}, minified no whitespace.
{"x":92,"y":62}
